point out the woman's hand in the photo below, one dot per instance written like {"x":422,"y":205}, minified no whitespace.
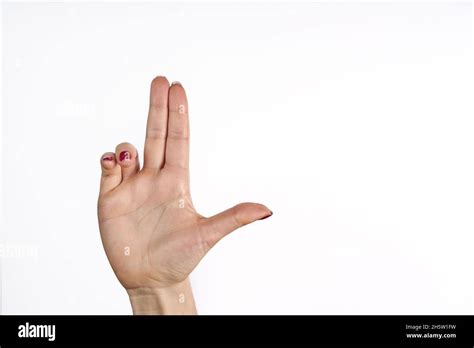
{"x":151,"y":232}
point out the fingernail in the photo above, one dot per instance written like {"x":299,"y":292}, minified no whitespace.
{"x":175,"y":83}
{"x":124,"y":156}
{"x":107,"y":158}
{"x":266,"y":217}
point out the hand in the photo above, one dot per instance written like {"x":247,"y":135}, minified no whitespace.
{"x":152,"y":235}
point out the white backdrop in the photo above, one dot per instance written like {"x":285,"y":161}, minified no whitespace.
{"x":352,"y":122}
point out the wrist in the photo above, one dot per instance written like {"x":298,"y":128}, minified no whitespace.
{"x":176,"y":299}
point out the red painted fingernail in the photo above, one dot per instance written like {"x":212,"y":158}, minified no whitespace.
{"x":124,"y":156}
{"x":107,"y":158}
{"x":266,"y":217}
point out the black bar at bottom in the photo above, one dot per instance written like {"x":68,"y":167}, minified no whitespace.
{"x":288,"y":330}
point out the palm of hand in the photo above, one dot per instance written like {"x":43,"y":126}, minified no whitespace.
{"x":151,"y":231}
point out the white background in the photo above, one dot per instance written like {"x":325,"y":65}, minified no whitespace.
{"x":352,"y":122}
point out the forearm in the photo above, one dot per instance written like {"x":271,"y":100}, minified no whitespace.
{"x":176,"y":299}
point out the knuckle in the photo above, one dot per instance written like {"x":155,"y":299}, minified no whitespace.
{"x":236,"y":218}
{"x":158,"y":108}
{"x":124,"y":144}
{"x":156,"y":133}
{"x":178,"y":134}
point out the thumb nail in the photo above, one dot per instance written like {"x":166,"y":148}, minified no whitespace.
{"x":267,"y":216}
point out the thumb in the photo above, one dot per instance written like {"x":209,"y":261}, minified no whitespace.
{"x":218,"y":226}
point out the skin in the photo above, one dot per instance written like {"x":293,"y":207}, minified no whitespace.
{"x":152,"y":235}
